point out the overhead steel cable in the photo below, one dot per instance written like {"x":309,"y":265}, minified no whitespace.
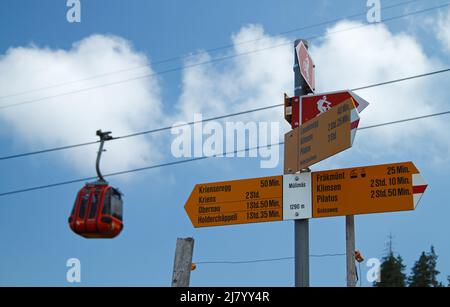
{"x":133,"y":170}
{"x":48,"y":150}
{"x":181,"y":57}
{"x":402,"y":79}
{"x":198,"y":159}
{"x":243,"y":261}
{"x":189,"y":66}
{"x":264,"y":260}
{"x":9,"y":157}
{"x":405,"y":120}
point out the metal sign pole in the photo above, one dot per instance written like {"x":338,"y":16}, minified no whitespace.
{"x":301,"y":227}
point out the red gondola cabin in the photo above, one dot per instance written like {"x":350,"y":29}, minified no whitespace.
{"x":97,"y":212}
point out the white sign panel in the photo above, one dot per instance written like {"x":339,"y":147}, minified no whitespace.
{"x":297,"y":204}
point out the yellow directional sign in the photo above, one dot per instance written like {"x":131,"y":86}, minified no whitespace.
{"x":236,"y":202}
{"x":352,"y":191}
{"x":322,"y":137}
{"x":364,"y":190}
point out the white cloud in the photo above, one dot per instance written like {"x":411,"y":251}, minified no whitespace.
{"x":373,"y":54}
{"x":123,"y":109}
{"x":345,"y":59}
{"x":443,"y":29}
{"x":250,"y":81}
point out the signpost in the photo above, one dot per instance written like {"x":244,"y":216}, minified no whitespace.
{"x":322,"y":137}
{"x":314,"y":105}
{"x":323,"y":125}
{"x":342,"y":192}
{"x":306,"y":65}
{"x":236,"y":202}
{"x":365,"y":190}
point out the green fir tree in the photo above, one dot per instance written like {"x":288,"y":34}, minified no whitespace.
{"x":424,"y":273}
{"x":391,"y":270}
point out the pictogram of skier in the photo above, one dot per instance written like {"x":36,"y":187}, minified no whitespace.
{"x":323,"y":105}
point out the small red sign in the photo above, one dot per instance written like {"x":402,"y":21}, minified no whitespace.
{"x":307,"y":67}
{"x":314,"y":105}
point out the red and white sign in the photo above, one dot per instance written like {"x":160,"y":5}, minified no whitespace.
{"x":354,"y":123}
{"x":307,"y":67}
{"x":419,"y":187}
{"x":314,"y":105}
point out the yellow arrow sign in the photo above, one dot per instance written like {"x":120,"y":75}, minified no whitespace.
{"x":365,"y":190}
{"x":352,"y":191}
{"x":322,"y":137}
{"x":236,"y":202}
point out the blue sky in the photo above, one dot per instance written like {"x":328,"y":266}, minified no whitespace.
{"x":35,"y":236}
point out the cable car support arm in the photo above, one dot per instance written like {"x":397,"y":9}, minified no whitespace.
{"x":104,"y":136}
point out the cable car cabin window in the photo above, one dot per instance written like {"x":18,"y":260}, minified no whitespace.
{"x":116,"y":206}
{"x":74,"y":207}
{"x":107,"y":203}
{"x":94,"y":204}
{"x":84,"y":202}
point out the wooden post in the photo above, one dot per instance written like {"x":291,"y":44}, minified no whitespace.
{"x":183,"y":262}
{"x":350,"y":244}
